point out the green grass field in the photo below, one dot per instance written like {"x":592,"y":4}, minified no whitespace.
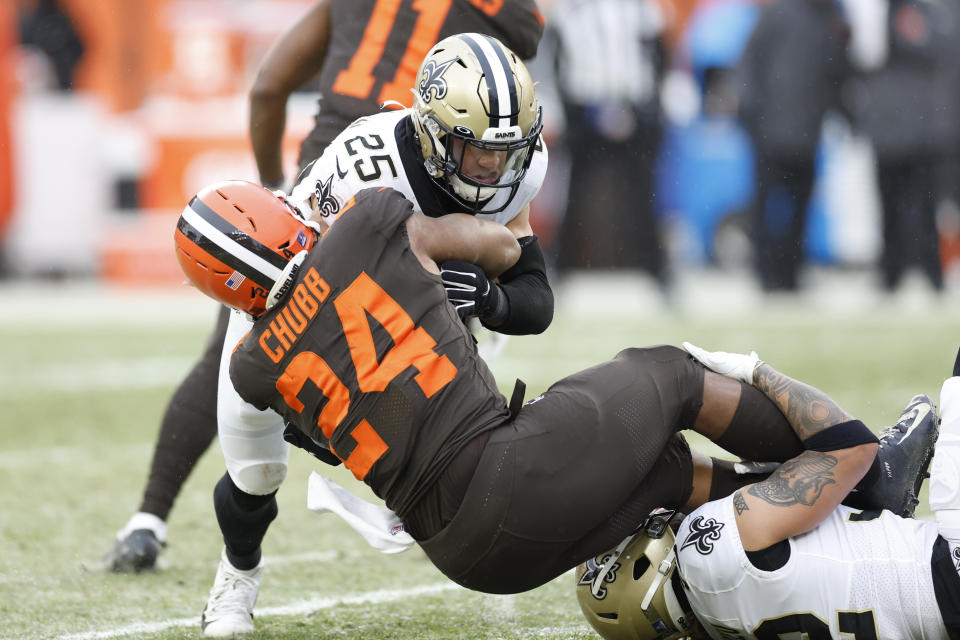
{"x":82,"y":402}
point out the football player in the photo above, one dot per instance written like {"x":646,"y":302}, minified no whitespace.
{"x":338,"y":42}
{"x":355,"y":346}
{"x":783,"y":557}
{"x":475,"y":100}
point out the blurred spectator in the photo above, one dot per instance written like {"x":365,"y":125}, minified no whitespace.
{"x":46,"y":26}
{"x":610,"y":63}
{"x":791,"y":74}
{"x":905,"y":110}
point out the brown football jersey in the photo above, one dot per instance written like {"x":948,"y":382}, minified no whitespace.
{"x":376,"y":47}
{"x":366,"y":356}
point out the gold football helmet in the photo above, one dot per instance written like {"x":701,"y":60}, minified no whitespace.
{"x":474,"y":98}
{"x":633,"y":592}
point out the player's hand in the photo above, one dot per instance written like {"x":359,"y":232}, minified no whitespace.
{"x":468,"y":287}
{"x":733,"y":365}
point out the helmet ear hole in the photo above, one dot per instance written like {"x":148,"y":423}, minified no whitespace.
{"x":640,"y":567}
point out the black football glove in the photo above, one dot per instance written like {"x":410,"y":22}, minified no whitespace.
{"x":469,"y":290}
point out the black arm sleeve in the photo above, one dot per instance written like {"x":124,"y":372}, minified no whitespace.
{"x":524,"y":300}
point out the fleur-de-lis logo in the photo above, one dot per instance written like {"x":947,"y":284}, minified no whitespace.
{"x":703,"y":533}
{"x":326,"y":203}
{"x":594,"y":566}
{"x":432,"y":85}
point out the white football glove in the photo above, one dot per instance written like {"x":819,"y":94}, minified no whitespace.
{"x":733,"y":365}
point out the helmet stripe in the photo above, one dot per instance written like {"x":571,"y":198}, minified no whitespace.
{"x":229,"y":244}
{"x":501,"y":85}
{"x":235,"y":234}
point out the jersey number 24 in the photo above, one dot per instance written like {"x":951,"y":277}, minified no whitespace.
{"x":413,"y":347}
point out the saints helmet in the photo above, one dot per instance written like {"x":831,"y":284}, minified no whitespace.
{"x":239,"y":243}
{"x":633,"y":592}
{"x":473,"y":89}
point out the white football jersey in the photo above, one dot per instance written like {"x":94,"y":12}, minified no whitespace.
{"x":365,"y":154}
{"x":857,"y":575}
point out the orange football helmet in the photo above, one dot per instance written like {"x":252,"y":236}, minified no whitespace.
{"x":236,"y":242}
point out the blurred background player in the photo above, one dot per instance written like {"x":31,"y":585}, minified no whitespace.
{"x":365,"y":53}
{"x":783,"y":557}
{"x":610,"y":57}
{"x":792,"y":74}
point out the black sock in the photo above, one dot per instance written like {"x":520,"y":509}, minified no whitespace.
{"x":244,"y":519}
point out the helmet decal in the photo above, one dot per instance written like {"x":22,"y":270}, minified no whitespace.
{"x":501,"y":86}
{"x":703,"y":533}
{"x":224,"y":241}
{"x":593,"y":572}
{"x":432,"y":85}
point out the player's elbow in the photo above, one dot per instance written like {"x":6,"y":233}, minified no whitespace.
{"x":509,"y":254}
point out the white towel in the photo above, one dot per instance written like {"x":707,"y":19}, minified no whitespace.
{"x":378,"y":525}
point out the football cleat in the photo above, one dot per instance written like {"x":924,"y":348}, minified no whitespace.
{"x":229,"y":610}
{"x":906,"y":449}
{"x":135,"y":552}
{"x":137,"y":545}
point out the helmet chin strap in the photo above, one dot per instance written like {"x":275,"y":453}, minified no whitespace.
{"x":605,"y":569}
{"x":662,"y":571}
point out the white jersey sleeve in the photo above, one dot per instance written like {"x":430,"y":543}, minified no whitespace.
{"x":857,"y":574}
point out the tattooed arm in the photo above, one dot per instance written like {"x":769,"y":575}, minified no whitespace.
{"x":803,"y":491}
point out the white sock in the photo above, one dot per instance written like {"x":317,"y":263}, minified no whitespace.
{"x":143,"y":520}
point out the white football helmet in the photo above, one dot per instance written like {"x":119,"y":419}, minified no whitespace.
{"x":474,"y":95}
{"x":633,"y":592}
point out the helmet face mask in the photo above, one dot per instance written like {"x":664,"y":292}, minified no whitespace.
{"x":477,"y":120}
{"x":633,"y":592}
{"x":240,"y":244}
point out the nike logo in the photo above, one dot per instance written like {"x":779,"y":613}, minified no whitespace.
{"x":340,"y":173}
{"x":922,"y":412}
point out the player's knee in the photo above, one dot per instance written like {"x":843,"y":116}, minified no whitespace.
{"x":259,"y":478}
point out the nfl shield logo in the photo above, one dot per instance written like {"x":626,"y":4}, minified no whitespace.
{"x":235,"y":280}
{"x":301,"y":239}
